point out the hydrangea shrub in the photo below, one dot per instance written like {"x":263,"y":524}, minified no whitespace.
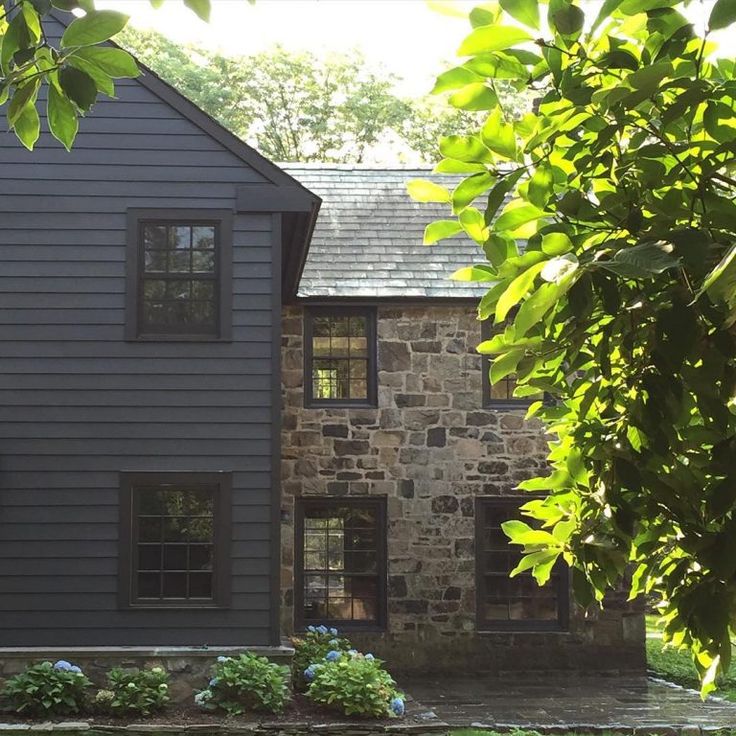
{"x":47,"y":689}
{"x":134,"y":691}
{"x":312,"y":648}
{"x":354,"y":684}
{"x":246,"y":683}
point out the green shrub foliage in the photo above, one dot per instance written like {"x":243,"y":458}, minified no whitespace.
{"x":312,"y":647}
{"x":134,"y":691}
{"x":354,"y":685}
{"x":246,"y":683}
{"x":608,"y":220}
{"x":47,"y":689}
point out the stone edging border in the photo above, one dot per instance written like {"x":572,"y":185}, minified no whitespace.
{"x":348,"y":728}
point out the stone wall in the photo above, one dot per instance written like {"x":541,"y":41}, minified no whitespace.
{"x":431,"y":449}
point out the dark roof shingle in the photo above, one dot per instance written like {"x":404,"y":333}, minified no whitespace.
{"x":368,"y":237}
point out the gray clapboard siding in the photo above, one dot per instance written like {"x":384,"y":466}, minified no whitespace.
{"x":78,"y":404}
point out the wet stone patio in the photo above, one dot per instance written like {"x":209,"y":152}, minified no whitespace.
{"x":593,"y":704}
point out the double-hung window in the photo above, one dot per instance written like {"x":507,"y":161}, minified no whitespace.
{"x":340,"y":357}
{"x":175,"y":537}
{"x":179,"y":275}
{"x":340,"y":562}
{"x":516,"y":603}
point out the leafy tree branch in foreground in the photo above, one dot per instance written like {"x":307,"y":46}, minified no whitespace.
{"x":609,"y":226}
{"x":74,"y":69}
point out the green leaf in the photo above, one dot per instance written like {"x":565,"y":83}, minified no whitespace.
{"x":475,"y":96}
{"x":455,"y":79}
{"x":514,"y":218}
{"x":62,"y":117}
{"x":568,"y":20}
{"x":474,"y":224}
{"x":525,"y":11}
{"x":555,"y":244}
{"x":113,"y":62}
{"x":471,"y":188}
{"x":648,"y":78}
{"x":516,"y":290}
{"x":103,"y":81}
{"x":95,"y":27}
{"x":423,"y":190}
{"x":465,"y":148}
{"x":78,"y":87}
{"x":504,"y":365}
{"x":640,"y":261}
{"x":722,"y":15}
{"x":540,"y":186}
{"x":200,"y":7}
{"x":498,"y":135}
{"x":606,"y":9}
{"x":718,"y":272}
{"x":492,"y":38}
{"x":28,"y":125}
{"x":498,"y":248}
{"x":441,"y":229}
{"x":475,"y":273}
{"x":23,"y":95}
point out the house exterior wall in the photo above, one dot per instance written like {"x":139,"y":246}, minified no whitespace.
{"x":432,"y":449}
{"x":79,"y":404}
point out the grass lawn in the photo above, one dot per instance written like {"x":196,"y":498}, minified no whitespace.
{"x":677,"y":666}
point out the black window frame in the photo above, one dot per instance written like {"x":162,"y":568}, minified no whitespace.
{"x":379,"y":503}
{"x":370,"y":315}
{"x":221,"y":484}
{"x":491,"y":402}
{"x":223,"y":221}
{"x":483,"y":625}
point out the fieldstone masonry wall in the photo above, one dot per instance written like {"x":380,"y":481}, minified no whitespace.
{"x":431,"y":449}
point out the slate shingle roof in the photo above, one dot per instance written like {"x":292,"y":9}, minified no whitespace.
{"x":368,"y":237}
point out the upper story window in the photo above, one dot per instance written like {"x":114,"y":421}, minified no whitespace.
{"x":512,"y":603}
{"x":340,"y":357}
{"x":500,"y":395}
{"x":179,"y":274}
{"x":174,"y":539}
{"x":340,"y":562}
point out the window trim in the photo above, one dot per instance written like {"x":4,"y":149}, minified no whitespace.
{"x":222,"y":533}
{"x":377,"y":502}
{"x":482,"y":625}
{"x":488,"y":402}
{"x":223,"y":220}
{"x":370,"y":313}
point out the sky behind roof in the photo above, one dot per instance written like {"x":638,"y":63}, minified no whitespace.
{"x":410,"y":38}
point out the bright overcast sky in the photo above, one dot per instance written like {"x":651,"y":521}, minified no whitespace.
{"x":408,"y":37}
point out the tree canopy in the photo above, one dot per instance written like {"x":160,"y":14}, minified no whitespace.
{"x":607,"y":217}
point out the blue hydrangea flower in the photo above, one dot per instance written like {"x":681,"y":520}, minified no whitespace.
{"x":333,"y":631}
{"x":311,"y":629}
{"x":310,"y":672}
{"x":213,"y":682}
{"x":323,"y":630}
{"x":76,"y":670}
{"x":397,"y":707}
{"x":332,"y":656}
{"x":334,"y":643}
{"x":369,"y":656}
{"x":223,"y":659}
{"x":352,"y":652}
{"x":62,"y":665}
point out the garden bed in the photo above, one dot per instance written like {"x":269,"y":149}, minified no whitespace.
{"x":299,"y":717}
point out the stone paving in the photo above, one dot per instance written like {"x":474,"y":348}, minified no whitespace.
{"x":597,"y":703}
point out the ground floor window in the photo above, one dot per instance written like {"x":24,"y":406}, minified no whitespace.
{"x":340,"y":562}
{"x":175,"y":532}
{"x":518,"y":602}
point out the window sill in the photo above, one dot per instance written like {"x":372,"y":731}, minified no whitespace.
{"x":177,"y":338}
{"x":537,"y":631}
{"x":340,"y":405}
{"x":171,"y":606}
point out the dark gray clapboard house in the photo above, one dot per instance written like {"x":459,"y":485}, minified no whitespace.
{"x":140,"y":301}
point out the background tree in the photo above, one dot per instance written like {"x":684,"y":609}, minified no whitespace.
{"x":609,"y":222}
